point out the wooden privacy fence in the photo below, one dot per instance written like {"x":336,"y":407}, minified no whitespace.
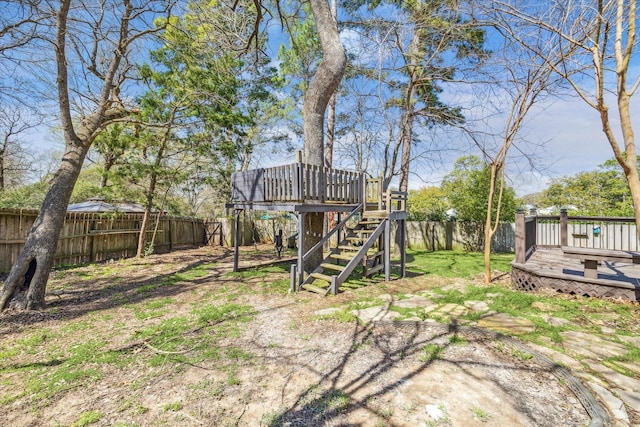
{"x":93,"y":237}
{"x":454,"y":235}
{"x":432,"y":235}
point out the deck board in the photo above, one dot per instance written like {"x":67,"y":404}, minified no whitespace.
{"x":554,"y":260}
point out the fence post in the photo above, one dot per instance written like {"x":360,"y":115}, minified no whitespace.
{"x":534,"y":240}
{"x":170,"y":226}
{"x":448,"y":234}
{"x":563,"y":228}
{"x":520,"y":237}
{"x":236,"y":237}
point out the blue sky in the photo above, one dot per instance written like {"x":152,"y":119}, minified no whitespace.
{"x":570,"y":129}
{"x":575,"y":144}
{"x":572,"y":141}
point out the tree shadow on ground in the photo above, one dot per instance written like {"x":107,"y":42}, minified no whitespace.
{"x":84,"y":294}
{"x":339,"y":393}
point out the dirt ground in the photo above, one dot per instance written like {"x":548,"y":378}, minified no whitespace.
{"x":303,"y":371}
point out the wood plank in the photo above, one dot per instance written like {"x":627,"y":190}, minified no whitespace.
{"x":321,"y":276}
{"x":329,"y":266}
{"x":315,"y":289}
{"x":601,"y":254}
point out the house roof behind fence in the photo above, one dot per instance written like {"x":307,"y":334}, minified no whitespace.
{"x":98,"y":205}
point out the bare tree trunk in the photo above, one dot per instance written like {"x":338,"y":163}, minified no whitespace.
{"x":331,"y":132}
{"x":406,"y":129}
{"x":489,"y":227}
{"x":151,"y":190}
{"x":627,"y":160}
{"x":2,"y":169}
{"x":322,"y":86}
{"x":405,"y":158}
{"x":142,"y":237}
{"x":109,"y":161}
{"x":26,"y":284}
{"x":324,"y":82}
{"x":331,"y":113}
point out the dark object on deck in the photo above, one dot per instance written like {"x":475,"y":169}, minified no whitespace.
{"x":291,"y":241}
{"x":278,"y":244}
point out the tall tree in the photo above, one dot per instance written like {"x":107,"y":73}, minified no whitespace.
{"x":14,"y":158}
{"x":111,"y":145}
{"x":322,"y":86}
{"x":602,"y":192}
{"x":90,"y":47}
{"x":324,"y":82}
{"x":519,"y":82}
{"x":423,"y":46}
{"x":596,"y":41}
{"x":331,"y":113}
{"x":467,"y":187}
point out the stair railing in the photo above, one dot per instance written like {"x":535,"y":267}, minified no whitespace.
{"x":395,"y":200}
{"x":351,"y":265}
{"x":340,"y":225}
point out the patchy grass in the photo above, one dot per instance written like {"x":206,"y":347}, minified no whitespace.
{"x":456,"y":339}
{"x":481,"y":414}
{"x":87,"y":418}
{"x":79,"y":355}
{"x":454,"y":263}
{"x":193,"y":338}
{"x":191,"y":274}
{"x":430,"y":352}
{"x":159,"y":330}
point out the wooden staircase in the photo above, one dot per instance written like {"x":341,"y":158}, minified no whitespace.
{"x":362,"y":245}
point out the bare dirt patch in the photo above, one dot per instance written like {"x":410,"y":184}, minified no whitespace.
{"x":283,"y":366}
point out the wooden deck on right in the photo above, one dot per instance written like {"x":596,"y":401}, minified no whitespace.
{"x":549,"y":268}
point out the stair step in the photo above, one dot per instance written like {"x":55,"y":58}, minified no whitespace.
{"x":346,"y":257}
{"x":364,"y":231}
{"x":370,"y":221}
{"x":375,"y":214}
{"x":348,"y":248}
{"x":350,"y":252}
{"x":329,"y":266}
{"x":314,"y":288}
{"x":354,"y":239}
{"x":321,"y":276}
{"x":373,"y":254}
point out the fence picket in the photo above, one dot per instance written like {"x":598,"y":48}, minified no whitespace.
{"x":93,"y":237}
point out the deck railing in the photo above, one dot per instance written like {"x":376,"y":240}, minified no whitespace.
{"x":299,"y":183}
{"x":615,"y":233}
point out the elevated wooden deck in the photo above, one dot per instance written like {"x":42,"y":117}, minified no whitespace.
{"x":305,"y":189}
{"x":299,"y":187}
{"x":549,"y":268}
{"x":541,"y":263}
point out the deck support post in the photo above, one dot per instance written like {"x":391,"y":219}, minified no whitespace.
{"x":387,"y":249}
{"x":236,"y":238}
{"x":402,"y":229}
{"x":293,"y":275}
{"x":334,"y":285}
{"x":301,"y":244}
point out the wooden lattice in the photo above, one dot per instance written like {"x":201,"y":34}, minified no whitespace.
{"x":526,"y":280}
